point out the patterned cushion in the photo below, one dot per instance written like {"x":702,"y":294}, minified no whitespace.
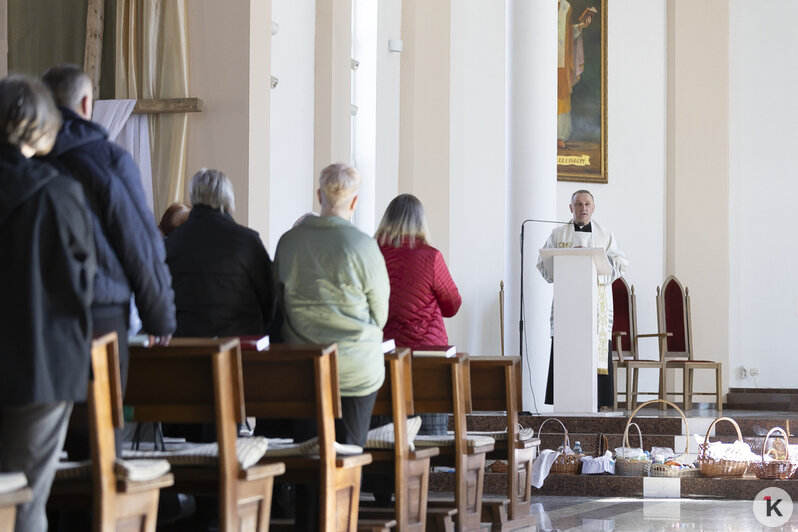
{"x":141,"y":470}
{"x":12,"y":482}
{"x":249,"y":451}
{"x":383,"y":437}
{"x":287,"y":447}
{"x":524,"y":434}
{"x":448,"y":440}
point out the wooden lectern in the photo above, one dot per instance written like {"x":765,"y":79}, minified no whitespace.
{"x":575,"y":273}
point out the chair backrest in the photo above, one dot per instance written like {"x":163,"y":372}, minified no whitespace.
{"x":295,"y":381}
{"x":104,"y":401}
{"x":498,"y":387}
{"x":624,"y":316}
{"x":673,"y":316}
{"x":194,"y":380}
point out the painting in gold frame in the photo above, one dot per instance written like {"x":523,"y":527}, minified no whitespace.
{"x":582,"y":91}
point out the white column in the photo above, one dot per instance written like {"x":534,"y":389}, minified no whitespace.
{"x":532,"y":179}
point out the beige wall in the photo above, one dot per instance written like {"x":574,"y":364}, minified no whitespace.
{"x":229,"y":70}
{"x":424,"y":113}
{"x":698,"y":171}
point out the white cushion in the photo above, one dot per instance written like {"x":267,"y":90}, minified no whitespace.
{"x":448,"y":440}
{"x":383,"y":437}
{"x":141,"y":470}
{"x":12,"y":482}
{"x":287,"y":447}
{"x":248,"y":450}
{"x":524,"y":434}
{"x":73,"y":470}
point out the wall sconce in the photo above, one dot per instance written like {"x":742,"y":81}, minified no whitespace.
{"x":275,"y":82}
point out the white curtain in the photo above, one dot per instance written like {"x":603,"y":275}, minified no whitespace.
{"x":131,"y":132}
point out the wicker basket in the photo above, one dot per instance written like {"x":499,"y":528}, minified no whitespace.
{"x":720,"y":468}
{"x":775,"y":469}
{"x":631,"y":468}
{"x":563,"y":464}
{"x":662,"y":470}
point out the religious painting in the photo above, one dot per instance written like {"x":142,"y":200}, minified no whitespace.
{"x":582,"y":91}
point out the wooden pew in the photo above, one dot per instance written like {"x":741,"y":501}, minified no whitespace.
{"x":198,"y":381}
{"x":410,"y":469}
{"x":10,"y":498}
{"x":441,"y":384}
{"x":117,"y":502}
{"x":301,"y":381}
{"x":499,"y":389}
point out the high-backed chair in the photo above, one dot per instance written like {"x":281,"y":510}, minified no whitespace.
{"x":122,"y":496}
{"x":625,"y":341}
{"x":673,"y":315}
{"x":289,"y":381}
{"x":199,"y":380}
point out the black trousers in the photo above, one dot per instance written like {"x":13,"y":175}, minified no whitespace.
{"x":604,"y":382}
{"x":352,"y":428}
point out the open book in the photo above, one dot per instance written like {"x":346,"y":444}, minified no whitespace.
{"x":388,"y":345}
{"x":258,"y":343}
{"x":435,"y":351}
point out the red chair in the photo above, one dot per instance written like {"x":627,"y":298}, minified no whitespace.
{"x":627,"y":354}
{"x":673,"y":316}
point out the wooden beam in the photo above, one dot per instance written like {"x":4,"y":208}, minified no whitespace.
{"x":93,"y":52}
{"x":168,"y":105}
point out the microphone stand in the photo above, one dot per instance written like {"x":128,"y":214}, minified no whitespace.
{"x":521,"y":313}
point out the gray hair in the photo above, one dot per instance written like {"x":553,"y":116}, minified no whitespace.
{"x":338,"y":183}
{"x":69,"y":85}
{"x":213,"y":188}
{"x":582,"y":191}
{"x":403,"y":219}
{"x":27,"y":114}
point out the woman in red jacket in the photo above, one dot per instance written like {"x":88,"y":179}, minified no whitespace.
{"x":422,"y":290}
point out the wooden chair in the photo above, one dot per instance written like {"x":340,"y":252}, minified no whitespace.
{"x":117,"y":503}
{"x":625,"y":340}
{"x":301,"y":381}
{"x":410,"y":469}
{"x":673,"y":316}
{"x":499,"y":389}
{"x":13,"y":492}
{"x":441,"y":384}
{"x":198,"y":381}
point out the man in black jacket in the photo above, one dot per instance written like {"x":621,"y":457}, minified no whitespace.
{"x":46,"y":276}
{"x":130,"y":251}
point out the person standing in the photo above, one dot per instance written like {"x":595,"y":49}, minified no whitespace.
{"x":332,"y":287}
{"x":47,"y":269}
{"x":422,"y":289}
{"x":130,"y":249}
{"x":583,"y":231}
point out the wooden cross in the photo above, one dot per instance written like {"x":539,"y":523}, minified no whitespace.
{"x":92,"y":56}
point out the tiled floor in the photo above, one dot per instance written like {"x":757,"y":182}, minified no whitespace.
{"x":585,"y":513}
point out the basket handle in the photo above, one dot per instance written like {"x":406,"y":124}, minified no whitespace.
{"x":730,"y":420}
{"x":566,"y":442}
{"x":684,"y":419}
{"x":786,"y":442}
{"x":603,"y":443}
{"x":626,"y":436}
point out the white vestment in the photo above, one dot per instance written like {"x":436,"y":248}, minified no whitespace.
{"x":564,"y":236}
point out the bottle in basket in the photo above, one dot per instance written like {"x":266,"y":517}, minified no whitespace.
{"x":578,"y":448}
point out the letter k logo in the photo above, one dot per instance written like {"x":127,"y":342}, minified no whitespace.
{"x":772,"y":506}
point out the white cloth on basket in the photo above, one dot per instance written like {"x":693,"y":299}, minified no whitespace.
{"x":542,"y":466}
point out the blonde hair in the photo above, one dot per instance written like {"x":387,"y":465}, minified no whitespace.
{"x":338,"y":183}
{"x":403,"y":220}
{"x":27,"y":114}
{"x":213,"y":188}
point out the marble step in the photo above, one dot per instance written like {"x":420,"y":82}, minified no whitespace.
{"x":616,"y":486}
{"x":610,"y":424}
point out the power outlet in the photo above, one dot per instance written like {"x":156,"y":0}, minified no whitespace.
{"x":743,"y":372}
{"x":753,"y":372}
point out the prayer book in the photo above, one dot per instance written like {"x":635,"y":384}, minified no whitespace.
{"x":447,"y":351}
{"x":257,"y":343}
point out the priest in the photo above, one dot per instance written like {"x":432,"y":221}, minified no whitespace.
{"x":585,"y":232}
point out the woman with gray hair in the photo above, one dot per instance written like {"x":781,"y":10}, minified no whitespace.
{"x":422,"y":290}
{"x":221,"y":272}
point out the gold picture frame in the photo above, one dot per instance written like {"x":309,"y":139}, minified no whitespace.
{"x":582,"y":91}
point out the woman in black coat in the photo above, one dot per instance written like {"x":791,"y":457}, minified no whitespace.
{"x":221,"y":272}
